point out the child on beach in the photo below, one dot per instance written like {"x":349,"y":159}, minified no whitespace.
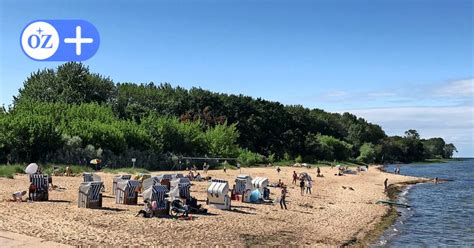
{"x":295,"y":177}
{"x":278,"y":170}
{"x":318,"y":171}
{"x":18,"y":196}
{"x":309,"y":185}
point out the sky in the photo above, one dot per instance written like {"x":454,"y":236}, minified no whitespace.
{"x":401,"y":64}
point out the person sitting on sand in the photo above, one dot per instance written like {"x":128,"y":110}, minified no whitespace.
{"x":280,"y":183}
{"x":198,"y":177}
{"x":146,"y":212}
{"x":31,"y":191}
{"x":385,"y":184}
{"x":191,"y":175}
{"x":295,"y":177}
{"x":18,"y":196}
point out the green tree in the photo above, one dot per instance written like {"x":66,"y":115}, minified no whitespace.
{"x":367,"y":153}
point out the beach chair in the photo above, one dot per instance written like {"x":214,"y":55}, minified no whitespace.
{"x":166,"y":180}
{"x":117,"y":179}
{"x":261,"y":183}
{"x":41,"y":187}
{"x":157,"y":193}
{"x":184,"y":186}
{"x":126,"y":192}
{"x":243,"y":186}
{"x":217,"y":194}
{"x":90,"y":195}
{"x":150,"y":182}
{"x":91,"y":177}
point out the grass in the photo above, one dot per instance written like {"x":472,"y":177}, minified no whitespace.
{"x":75,"y":169}
{"x":9,"y":171}
{"x":128,"y":170}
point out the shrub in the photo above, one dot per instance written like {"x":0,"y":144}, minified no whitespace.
{"x":248,"y":158}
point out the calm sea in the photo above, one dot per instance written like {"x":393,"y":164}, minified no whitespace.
{"x":441,"y":214}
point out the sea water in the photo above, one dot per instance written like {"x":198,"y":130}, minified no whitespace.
{"x":440,"y":214}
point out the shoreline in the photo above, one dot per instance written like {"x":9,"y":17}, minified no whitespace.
{"x":390,"y":217}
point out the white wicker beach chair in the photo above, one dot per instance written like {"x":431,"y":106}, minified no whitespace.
{"x":217,"y":194}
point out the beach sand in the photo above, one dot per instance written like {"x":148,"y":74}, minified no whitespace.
{"x":331,"y":216}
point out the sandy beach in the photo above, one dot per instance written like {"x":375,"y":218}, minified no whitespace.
{"x":330,"y":216}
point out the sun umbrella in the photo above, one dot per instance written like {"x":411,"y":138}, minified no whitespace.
{"x":31,"y":168}
{"x":95,"y":161}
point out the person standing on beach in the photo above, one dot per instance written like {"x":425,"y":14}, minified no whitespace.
{"x":295,"y":177}
{"x":302,"y":186}
{"x":278,"y":170}
{"x":309,"y":185}
{"x":385,"y":184}
{"x":283,"y":197}
{"x":318,"y":171}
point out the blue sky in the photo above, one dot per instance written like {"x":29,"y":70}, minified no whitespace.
{"x":402,"y":64}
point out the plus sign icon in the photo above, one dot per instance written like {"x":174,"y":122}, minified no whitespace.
{"x":60,"y":40}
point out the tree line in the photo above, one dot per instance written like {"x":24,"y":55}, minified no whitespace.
{"x":70,"y":115}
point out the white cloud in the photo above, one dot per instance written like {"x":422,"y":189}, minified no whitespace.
{"x":337,"y":94}
{"x":460,"y":88}
{"x":454,"y":124}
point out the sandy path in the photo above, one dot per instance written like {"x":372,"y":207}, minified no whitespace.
{"x":330,"y":216}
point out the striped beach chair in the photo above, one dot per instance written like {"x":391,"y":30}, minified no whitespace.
{"x":40,"y":191}
{"x":158,"y":193}
{"x":90,"y":195}
{"x":117,"y":179}
{"x":184,"y":190}
{"x":126,"y":192}
{"x":150,"y":182}
{"x":184,"y":186}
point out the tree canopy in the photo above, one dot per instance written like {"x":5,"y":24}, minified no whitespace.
{"x":69,"y":114}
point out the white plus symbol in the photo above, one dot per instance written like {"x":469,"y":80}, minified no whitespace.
{"x":78,"y":40}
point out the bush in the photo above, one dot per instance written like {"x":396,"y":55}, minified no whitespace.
{"x":367,"y":153}
{"x":248,"y":158}
{"x":127,"y":170}
{"x":9,"y":171}
{"x":299,"y":159}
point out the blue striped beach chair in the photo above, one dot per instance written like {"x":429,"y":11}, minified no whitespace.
{"x":117,"y":179}
{"x":41,"y":189}
{"x":158,"y":193}
{"x":90,"y":195}
{"x":126,"y":192}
